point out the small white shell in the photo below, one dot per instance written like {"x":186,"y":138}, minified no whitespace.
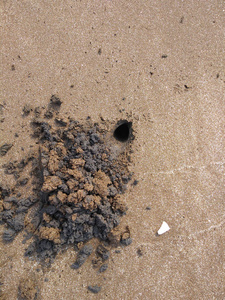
{"x":164,"y":228}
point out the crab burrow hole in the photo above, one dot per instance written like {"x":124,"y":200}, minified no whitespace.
{"x":122,"y":131}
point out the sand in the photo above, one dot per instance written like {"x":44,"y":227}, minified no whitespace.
{"x":160,"y":66}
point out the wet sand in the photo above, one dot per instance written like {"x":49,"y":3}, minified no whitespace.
{"x":161,"y":66}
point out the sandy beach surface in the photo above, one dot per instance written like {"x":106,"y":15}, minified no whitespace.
{"x":161,"y":66}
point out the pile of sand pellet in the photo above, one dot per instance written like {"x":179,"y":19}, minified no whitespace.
{"x":77,"y":186}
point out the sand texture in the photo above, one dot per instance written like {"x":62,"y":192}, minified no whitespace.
{"x":70,"y":71}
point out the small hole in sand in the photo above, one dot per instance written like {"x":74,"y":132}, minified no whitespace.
{"x":123,"y":131}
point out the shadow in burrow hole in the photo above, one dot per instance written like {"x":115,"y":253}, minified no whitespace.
{"x":123,"y":131}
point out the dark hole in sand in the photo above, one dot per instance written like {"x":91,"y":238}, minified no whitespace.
{"x":123,"y":131}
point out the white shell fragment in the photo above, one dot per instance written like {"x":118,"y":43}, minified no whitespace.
{"x":164,"y":228}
